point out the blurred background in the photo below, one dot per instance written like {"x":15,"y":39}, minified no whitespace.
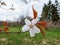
{"x":48,"y":9}
{"x":14,"y":12}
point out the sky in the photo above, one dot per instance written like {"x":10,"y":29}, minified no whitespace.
{"x":20,"y":9}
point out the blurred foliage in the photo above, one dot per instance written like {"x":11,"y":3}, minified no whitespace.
{"x":52,"y":37}
{"x":51,"y":11}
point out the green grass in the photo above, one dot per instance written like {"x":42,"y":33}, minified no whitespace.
{"x":15,"y":29}
{"x":52,"y":37}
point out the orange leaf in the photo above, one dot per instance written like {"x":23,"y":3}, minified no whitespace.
{"x":44,"y":24}
{"x":41,"y":29}
{"x":35,"y":13}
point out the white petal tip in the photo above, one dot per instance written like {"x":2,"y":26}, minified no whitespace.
{"x":31,"y":36}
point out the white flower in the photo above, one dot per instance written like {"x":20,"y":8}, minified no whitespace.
{"x":30,"y":26}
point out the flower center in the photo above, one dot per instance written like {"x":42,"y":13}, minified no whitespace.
{"x":31,"y":26}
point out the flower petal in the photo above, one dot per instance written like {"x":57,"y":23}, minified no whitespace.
{"x":34,"y":21}
{"x":32,"y":34}
{"x":36,"y":29}
{"x":25,"y":28}
{"x":27,"y":21}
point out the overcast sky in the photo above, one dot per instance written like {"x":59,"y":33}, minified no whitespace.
{"x":21,"y":8}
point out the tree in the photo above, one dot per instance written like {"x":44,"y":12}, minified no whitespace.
{"x":46,"y":13}
{"x":50,"y":9}
{"x":56,"y":3}
{"x":55,"y":16}
{"x":58,"y":7}
{"x":50,"y":12}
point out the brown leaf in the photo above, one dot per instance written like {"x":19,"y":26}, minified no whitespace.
{"x":35,"y":13}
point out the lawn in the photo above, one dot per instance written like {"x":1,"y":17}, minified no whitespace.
{"x":13,"y":38}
